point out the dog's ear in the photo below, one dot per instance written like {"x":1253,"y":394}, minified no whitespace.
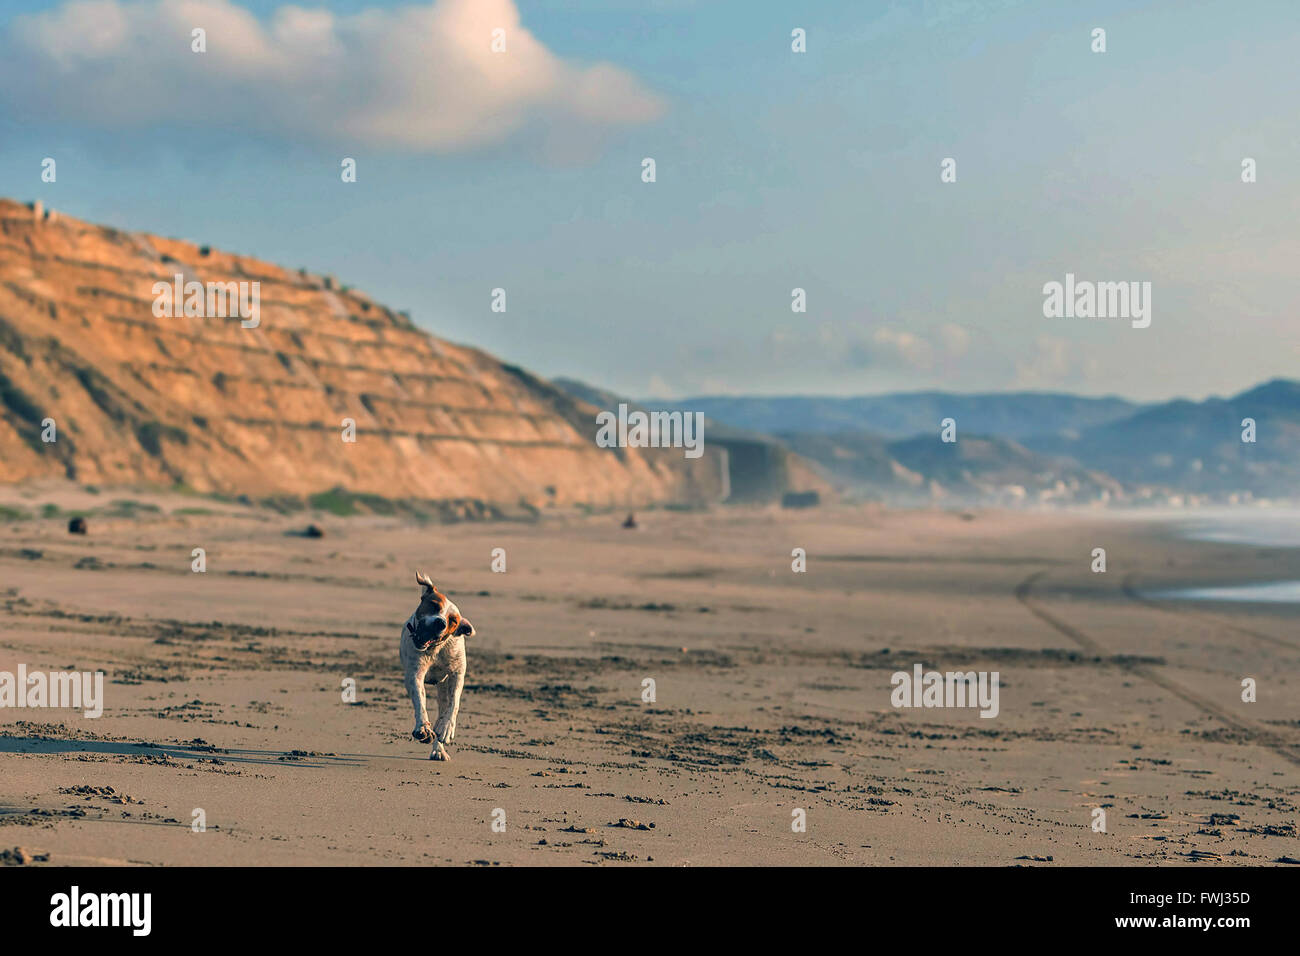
{"x":423,"y":579}
{"x":466,"y":629}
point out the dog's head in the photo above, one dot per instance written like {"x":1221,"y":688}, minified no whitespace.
{"x":437,"y":617}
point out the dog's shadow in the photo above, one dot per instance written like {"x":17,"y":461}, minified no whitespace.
{"x":280,"y":758}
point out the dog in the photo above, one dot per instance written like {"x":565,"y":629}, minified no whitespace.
{"x":433,"y":651}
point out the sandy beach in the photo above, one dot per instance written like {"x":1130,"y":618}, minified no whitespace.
{"x":772,"y":690}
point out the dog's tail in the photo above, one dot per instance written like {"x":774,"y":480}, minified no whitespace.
{"x":423,"y":579}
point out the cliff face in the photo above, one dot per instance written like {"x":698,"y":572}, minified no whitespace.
{"x":205,"y":401}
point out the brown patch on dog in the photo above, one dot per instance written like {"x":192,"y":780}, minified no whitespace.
{"x":433,"y":600}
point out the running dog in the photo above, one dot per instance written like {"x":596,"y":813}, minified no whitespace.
{"x":433,"y":651}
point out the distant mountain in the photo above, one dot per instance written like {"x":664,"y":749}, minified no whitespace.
{"x":856,"y":460}
{"x":1034,"y":446}
{"x":1197,"y":446}
{"x":758,"y":468}
{"x":1014,"y":415}
{"x":995,"y":468}
{"x":974,"y":468}
{"x":603,"y":398}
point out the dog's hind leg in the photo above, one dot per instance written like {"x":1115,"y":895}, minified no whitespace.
{"x":457,"y":682}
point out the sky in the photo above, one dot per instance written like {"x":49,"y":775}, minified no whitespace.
{"x":774,"y":170}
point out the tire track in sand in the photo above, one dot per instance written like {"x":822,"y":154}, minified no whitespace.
{"x":1248,"y":729}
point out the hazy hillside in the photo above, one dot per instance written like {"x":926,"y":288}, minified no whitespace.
{"x":1198,"y":447}
{"x":1015,"y":415}
{"x":924,"y":468}
{"x":857,"y":460}
{"x":995,"y":468}
{"x":1037,"y":447}
{"x":758,"y":467}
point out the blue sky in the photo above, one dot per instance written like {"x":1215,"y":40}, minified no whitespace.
{"x":775,"y":170}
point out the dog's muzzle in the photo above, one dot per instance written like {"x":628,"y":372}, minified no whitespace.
{"x":424,"y":634}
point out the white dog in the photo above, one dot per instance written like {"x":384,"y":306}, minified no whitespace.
{"x":433,"y":650}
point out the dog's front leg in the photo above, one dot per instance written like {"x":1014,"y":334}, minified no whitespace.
{"x":440,"y":735}
{"x":415,"y":687}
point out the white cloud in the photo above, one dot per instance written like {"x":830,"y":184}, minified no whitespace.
{"x":659,"y":387}
{"x":1055,"y":363}
{"x":954,"y":339}
{"x":422,"y":78}
{"x":901,"y":346}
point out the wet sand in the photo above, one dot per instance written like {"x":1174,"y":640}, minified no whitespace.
{"x":224,"y":691}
